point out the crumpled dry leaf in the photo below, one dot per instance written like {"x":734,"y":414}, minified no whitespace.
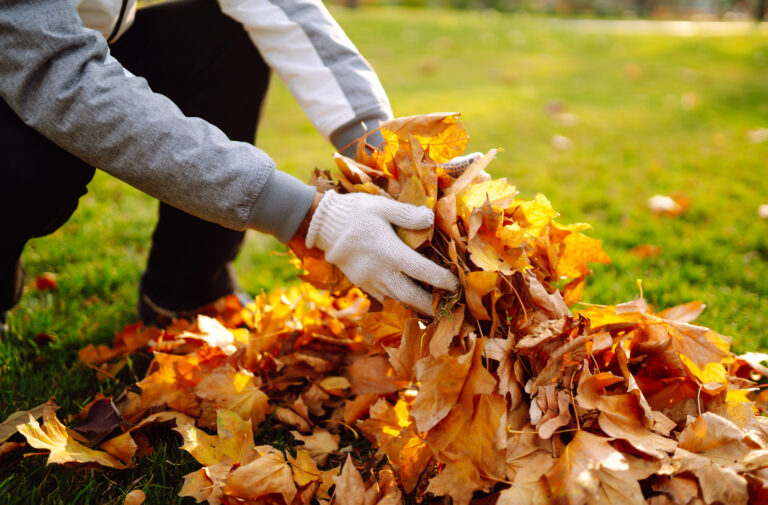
{"x":319,"y":444}
{"x":591,"y":471}
{"x":53,"y":435}
{"x":267,"y":474}
{"x":8,"y":427}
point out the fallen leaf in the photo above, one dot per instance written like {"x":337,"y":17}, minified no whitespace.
{"x":267,"y":474}
{"x":350,"y":489}
{"x":135,"y":497}
{"x":319,"y":444}
{"x":46,"y":281}
{"x":64,"y":449}
{"x":8,"y":427}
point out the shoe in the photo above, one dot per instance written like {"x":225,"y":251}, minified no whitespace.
{"x":3,"y":324}
{"x":152,"y":313}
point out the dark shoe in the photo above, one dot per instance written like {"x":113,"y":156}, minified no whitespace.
{"x":3,"y":324}
{"x":152,"y":313}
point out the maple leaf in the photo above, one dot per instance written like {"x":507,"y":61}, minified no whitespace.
{"x":620,"y":414}
{"x":234,"y":390}
{"x":319,"y":444}
{"x":304,"y":468}
{"x":64,"y":448}
{"x":206,"y":483}
{"x":387,"y":326}
{"x":350,"y":488}
{"x":528,"y":487}
{"x":441,"y":135}
{"x":590,"y":471}
{"x":172,"y":383}
{"x":373,"y":374}
{"x":718,"y":484}
{"x":8,"y":427}
{"x":715,"y":437}
{"x":233,"y":444}
{"x":447,"y":328}
{"x":392,"y":430}
{"x":267,"y":474}
{"x":442,"y":380}
{"x":123,"y":447}
{"x":459,"y":480}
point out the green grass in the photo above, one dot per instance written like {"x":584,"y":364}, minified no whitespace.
{"x":634,"y":139}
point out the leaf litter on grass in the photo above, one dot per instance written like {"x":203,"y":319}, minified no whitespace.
{"x":505,"y":395}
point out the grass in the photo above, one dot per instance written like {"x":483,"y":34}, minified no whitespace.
{"x":634,"y":138}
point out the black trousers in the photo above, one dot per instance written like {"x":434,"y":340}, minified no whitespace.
{"x":204,"y":61}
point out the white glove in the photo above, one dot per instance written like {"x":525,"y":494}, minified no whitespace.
{"x":355,"y":231}
{"x":459,"y":164}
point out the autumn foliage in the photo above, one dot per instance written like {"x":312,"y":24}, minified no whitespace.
{"x":506,"y":396}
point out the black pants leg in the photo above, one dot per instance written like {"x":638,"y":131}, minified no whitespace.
{"x":202,"y":60}
{"x":40,"y":185}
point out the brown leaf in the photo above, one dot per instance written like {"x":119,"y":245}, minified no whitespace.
{"x":8,"y":447}
{"x":373,"y":374}
{"x":716,"y":438}
{"x":135,"y":497}
{"x":8,"y":427}
{"x":234,"y":390}
{"x":718,"y":483}
{"x":442,"y":380}
{"x":679,"y":489}
{"x":206,"y":483}
{"x":414,"y":346}
{"x":267,"y":474}
{"x":591,"y":471}
{"x":620,"y":415}
{"x":319,"y":444}
{"x":459,"y":480}
{"x":350,"y":489}
{"x":447,"y":328}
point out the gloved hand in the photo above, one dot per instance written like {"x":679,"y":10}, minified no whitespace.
{"x":355,"y":231}
{"x":460,"y":164}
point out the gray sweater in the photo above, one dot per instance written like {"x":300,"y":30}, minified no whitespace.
{"x":60,"y":79}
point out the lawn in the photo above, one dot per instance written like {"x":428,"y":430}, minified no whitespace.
{"x":651,"y":114}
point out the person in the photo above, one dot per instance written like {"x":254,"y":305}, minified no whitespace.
{"x":167,"y":98}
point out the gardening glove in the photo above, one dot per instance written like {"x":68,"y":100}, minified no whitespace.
{"x":459,"y":164}
{"x":355,"y":231}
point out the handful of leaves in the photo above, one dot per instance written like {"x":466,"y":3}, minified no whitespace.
{"x":505,"y":392}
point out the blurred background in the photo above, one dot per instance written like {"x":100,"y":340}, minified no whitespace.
{"x":656,"y":9}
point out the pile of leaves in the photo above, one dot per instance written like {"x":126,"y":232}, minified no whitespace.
{"x":504,"y":396}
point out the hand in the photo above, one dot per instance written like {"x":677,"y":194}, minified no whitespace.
{"x":459,"y":164}
{"x":355,"y":231}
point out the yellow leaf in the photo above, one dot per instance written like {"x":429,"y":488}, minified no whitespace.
{"x":234,"y":443}
{"x":64,"y":449}
{"x":304,"y":468}
{"x":498,"y":192}
{"x":335,"y":382}
{"x":122,"y":447}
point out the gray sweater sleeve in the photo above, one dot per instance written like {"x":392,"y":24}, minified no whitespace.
{"x":58,"y":78}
